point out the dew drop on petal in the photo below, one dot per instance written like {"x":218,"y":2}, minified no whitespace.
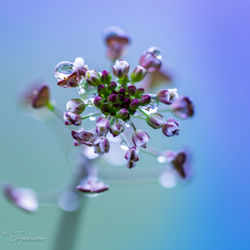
{"x":167,"y":180}
{"x":128,"y":124}
{"x":157,"y":52}
{"x":63,"y":70}
{"x":161,"y":159}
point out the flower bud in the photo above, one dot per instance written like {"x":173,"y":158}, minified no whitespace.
{"x":131,"y":90}
{"x":23,"y":198}
{"x":138,"y":73}
{"x":140,"y":138}
{"x":76,"y":106}
{"x":122,"y":91}
{"x":155,"y":120}
{"x":93,"y":78}
{"x":131,"y":156}
{"x":116,"y":129}
{"x":101,"y":89}
{"x":112,"y":86}
{"x":134,"y":104}
{"x":112,"y":98}
{"x":82,"y":137}
{"x":180,"y":164}
{"x":106,"y":77}
{"x":39,"y":97}
{"x":123,"y":114}
{"x":151,"y":59}
{"x":121,"y":68}
{"x":72,"y":119}
{"x":101,"y":145}
{"x":171,"y":127}
{"x":139,"y":92}
{"x":102,"y":125}
{"x":92,"y":185}
{"x":183,"y":107}
{"x":145,"y":100}
{"x":117,"y":41}
{"x":98,"y":101}
{"x":167,"y":96}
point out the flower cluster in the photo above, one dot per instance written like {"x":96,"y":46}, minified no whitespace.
{"x":114,"y":100}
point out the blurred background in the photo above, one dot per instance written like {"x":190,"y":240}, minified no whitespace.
{"x":206,"y":46}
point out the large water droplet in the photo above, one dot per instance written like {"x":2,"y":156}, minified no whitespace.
{"x":157,"y":52}
{"x":63,"y":70}
{"x":128,"y":124}
{"x":92,"y":118}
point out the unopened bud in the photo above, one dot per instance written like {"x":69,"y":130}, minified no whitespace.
{"x":183,"y":107}
{"x":106,"y":77}
{"x":167,"y":96}
{"x":151,"y":59}
{"x":82,"y":137}
{"x":145,"y":100}
{"x":138,"y":73}
{"x":102,"y":125}
{"x":131,"y":156}
{"x":134,"y":104}
{"x":171,"y":127}
{"x":75,"y":106}
{"x":123,"y":114}
{"x":93,"y":78}
{"x":72,"y":119}
{"x":121,"y":68}
{"x":155,"y":120}
{"x":98,"y":101}
{"x":101,"y":145}
{"x":140,"y":138}
{"x":116,"y":129}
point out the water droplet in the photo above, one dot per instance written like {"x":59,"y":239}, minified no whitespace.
{"x":161,"y":159}
{"x":124,"y":145}
{"x":92,"y":118}
{"x":157,"y":52}
{"x":63,"y":70}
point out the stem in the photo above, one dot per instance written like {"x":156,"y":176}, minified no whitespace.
{"x":68,"y":225}
{"x":139,"y":117}
{"x":89,"y":115}
{"x":144,"y":112}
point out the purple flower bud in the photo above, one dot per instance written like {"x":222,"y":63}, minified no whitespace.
{"x":102,"y":125}
{"x":92,"y":185}
{"x":82,"y":137}
{"x":98,"y":101}
{"x":138,"y":73}
{"x":23,"y":198}
{"x":39,"y":96}
{"x":93,"y":78}
{"x":155,"y":120}
{"x":180,"y":163}
{"x":140,"y":138}
{"x":123,"y":114}
{"x":167,"y":96}
{"x":112,"y":98}
{"x":101,"y":89}
{"x":151,"y":59}
{"x":116,"y":129}
{"x":72,"y":119}
{"x":75,"y":106}
{"x":145,"y":100}
{"x":131,"y":90}
{"x":183,"y":107}
{"x":171,"y":127}
{"x":140,"y":91}
{"x":112,"y":86}
{"x":101,"y":145}
{"x":134,"y":104}
{"x":131,"y":156}
{"x":106,"y":77}
{"x":117,"y":42}
{"x":121,"y":68}
{"x":122,"y":91}
{"x":71,"y":81}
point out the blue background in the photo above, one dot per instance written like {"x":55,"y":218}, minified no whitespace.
{"x":206,"y":45}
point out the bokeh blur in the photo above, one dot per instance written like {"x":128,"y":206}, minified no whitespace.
{"x":206,"y":46}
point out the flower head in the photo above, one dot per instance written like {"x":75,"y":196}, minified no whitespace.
{"x":82,"y":137}
{"x":167,"y":96}
{"x":121,"y":68}
{"x":101,"y":145}
{"x":76,"y":106}
{"x":151,"y":59}
{"x":155,"y":120}
{"x":140,"y":138}
{"x":72,"y":119}
{"x":131,"y":156}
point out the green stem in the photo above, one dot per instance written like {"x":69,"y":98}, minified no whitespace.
{"x":139,"y":117}
{"x":144,"y":112}
{"x":89,"y":115}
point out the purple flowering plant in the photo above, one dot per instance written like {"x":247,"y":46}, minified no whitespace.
{"x":114,"y":101}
